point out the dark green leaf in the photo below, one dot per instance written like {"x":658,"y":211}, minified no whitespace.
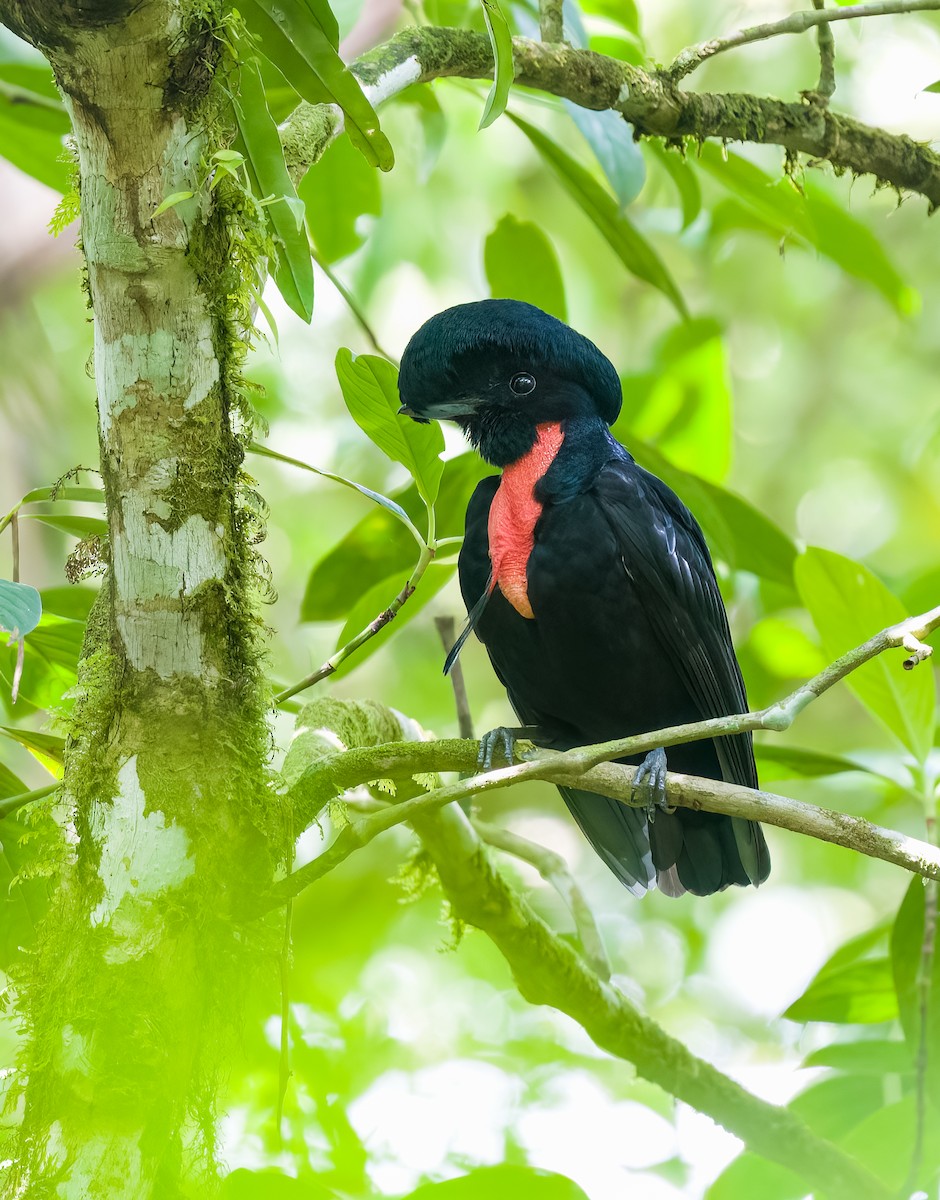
{"x":907,"y":939}
{"x":303,"y":50}
{"x":503,"y":1182}
{"x":377,"y":599}
{"x":685,"y":179}
{"x":874,"y":1056}
{"x":633,"y":250}
{"x":611,"y":139}
{"x":293,"y":272}
{"x":504,"y":71}
{"x":751,"y":1178}
{"x":338,"y":191}
{"x":46,"y":747}
{"x":521,"y":264}
{"x":20,"y":607}
{"x":370,"y":389}
{"x":794,"y":762}
{"x":859,"y":994}
{"x":70,"y":601}
{"x":379,"y":547}
{"x":848,"y":605}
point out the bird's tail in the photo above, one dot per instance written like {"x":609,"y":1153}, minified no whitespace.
{"x":683,"y":851}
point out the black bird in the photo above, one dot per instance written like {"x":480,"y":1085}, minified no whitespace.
{"x":590,"y":584}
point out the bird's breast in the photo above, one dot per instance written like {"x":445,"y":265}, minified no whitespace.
{"x":513,"y":516}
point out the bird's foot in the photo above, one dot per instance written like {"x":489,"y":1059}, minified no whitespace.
{"x":502,"y":737}
{"x":649,"y":783}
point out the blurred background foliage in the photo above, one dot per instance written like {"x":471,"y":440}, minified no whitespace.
{"x":796,"y":407}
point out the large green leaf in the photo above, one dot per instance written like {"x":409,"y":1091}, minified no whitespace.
{"x":500,"y":37}
{"x":504,"y":1182}
{"x":630,"y":246}
{"x":293,"y":272}
{"x":751,"y":1178}
{"x":33,"y":124}
{"x":907,"y":941}
{"x":848,"y":605}
{"x":872,"y":1056}
{"x":859,"y":994}
{"x":370,"y":389}
{"x":611,"y":139}
{"x":377,"y":599}
{"x":20,"y":607}
{"x":835,"y":1105}
{"x":884,"y":1143}
{"x":50,"y":663}
{"x":47,"y":748}
{"x":338,"y":191}
{"x":302,"y":45}
{"x":379,"y":547}
{"x":521,"y":264}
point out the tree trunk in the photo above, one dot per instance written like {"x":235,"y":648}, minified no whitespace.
{"x":134,"y":990}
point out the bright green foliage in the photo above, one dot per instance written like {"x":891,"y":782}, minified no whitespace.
{"x":521,"y":264}
{"x":501,"y":41}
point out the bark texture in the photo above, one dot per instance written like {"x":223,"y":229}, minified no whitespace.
{"x":134,"y":990}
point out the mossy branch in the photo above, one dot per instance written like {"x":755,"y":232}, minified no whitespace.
{"x":649,"y":100}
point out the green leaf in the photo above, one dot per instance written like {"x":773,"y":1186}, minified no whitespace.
{"x":737,"y":533}
{"x":815,"y":218}
{"x":45,"y":747}
{"x":795,"y":762}
{"x":302,"y":47}
{"x":835,"y":1105}
{"x":20,"y":607}
{"x":171,"y":201}
{"x":633,"y":250}
{"x":377,"y":497}
{"x":270,"y":1185}
{"x":378,"y":546}
{"x":521,"y":264}
{"x":749,"y":1177}
{"x":504,"y":1182}
{"x":10,"y":784}
{"x":848,"y":605}
{"x":80,"y":527}
{"x":25,"y":846}
{"x":684,"y":178}
{"x":36,"y":152}
{"x":293,"y":272}
{"x":884,"y":1143}
{"x":907,"y":938}
{"x":70,"y":601}
{"x":50,"y":664}
{"x":370,"y":389}
{"x":368,"y":606}
{"x":782,"y":647}
{"x":932,"y":87}
{"x":860,"y":993}
{"x":624,"y":12}
{"x":338,"y":192}
{"x":873,"y":1056}
{"x":504,"y":70}
{"x":89,"y":495}
{"x":611,"y":139}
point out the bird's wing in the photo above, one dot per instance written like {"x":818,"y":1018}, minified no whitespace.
{"x":663,"y":552}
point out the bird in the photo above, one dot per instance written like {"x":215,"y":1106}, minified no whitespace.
{"x":591,"y":586}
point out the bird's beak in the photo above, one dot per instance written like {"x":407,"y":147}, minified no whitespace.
{"x":440,"y":410}
{"x":405,"y":411}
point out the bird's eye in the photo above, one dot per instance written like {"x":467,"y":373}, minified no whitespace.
{"x":523,"y":383}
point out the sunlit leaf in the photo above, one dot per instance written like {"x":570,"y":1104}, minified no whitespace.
{"x":340,"y":192}
{"x":835,"y":1105}
{"x":504,"y":1182}
{"x":270,"y":1185}
{"x":631,"y":247}
{"x":884,"y":1143}
{"x":784,"y":649}
{"x":501,"y":45}
{"x":50,"y":664}
{"x":303,"y":49}
{"x":873,"y":1056}
{"x":749,"y":1177}
{"x":521,"y":264}
{"x":20,"y":607}
{"x":45,"y":747}
{"x":80,"y":527}
{"x":92,"y":495}
{"x":370,"y":389}
{"x":848,"y":605}
{"x":854,"y":993}
{"x":293,"y":272}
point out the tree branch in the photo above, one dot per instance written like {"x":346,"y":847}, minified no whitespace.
{"x":649,"y":100}
{"x":693,"y":56}
{"x":827,"y":59}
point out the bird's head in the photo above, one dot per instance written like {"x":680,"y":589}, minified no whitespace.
{"x":500,"y":368}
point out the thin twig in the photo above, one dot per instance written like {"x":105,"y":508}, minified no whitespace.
{"x":693,"y":56}
{"x":827,"y":59}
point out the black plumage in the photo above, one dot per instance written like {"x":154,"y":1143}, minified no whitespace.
{"x":615,"y":625}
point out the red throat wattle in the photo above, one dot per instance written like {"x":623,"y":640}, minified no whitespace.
{"x":513,"y":515}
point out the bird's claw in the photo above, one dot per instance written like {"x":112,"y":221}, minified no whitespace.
{"x":649,"y":783}
{"x":502,"y":736}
